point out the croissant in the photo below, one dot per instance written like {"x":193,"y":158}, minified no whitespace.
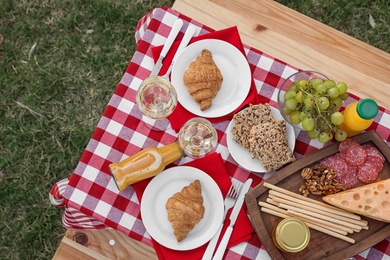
{"x":203,"y":79}
{"x":185,"y":209}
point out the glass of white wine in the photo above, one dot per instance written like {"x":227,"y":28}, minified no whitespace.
{"x":156,"y":98}
{"x":198,"y":137}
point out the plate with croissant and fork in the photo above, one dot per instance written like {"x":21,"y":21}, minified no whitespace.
{"x":182,"y":208}
{"x":211,"y":77}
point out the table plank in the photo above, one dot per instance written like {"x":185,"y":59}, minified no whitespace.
{"x":102,"y":244}
{"x":300,"y":41}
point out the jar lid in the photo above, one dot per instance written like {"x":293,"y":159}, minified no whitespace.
{"x":367,"y":108}
{"x":292,"y":235}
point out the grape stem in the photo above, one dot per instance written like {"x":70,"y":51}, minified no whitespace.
{"x":317,"y":108}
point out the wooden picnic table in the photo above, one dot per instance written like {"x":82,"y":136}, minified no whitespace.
{"x":300,"y":41}
{"x":284,"y":34}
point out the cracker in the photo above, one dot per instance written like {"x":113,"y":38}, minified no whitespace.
{"x":246,"y":119}
{"x":266,"y":139}
{"x":268,"y":143}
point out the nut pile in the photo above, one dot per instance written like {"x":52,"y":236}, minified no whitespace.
{"x":320,"y":180}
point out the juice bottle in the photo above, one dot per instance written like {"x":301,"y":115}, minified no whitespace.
{"x":358,"y":116}
{"x":145,"y":164}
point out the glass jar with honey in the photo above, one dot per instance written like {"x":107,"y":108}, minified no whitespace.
{"x":291,"y":235}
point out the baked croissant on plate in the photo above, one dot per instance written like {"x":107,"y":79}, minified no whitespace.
{"x":203,"y":79}
{"x":185,"y":209}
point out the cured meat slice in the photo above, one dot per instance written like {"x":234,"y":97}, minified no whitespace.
{"x":355,"y":163}
{"x":370,"y":170}
{"x":373,"y":151}
{"x":378,"y":163}
{"x":355,"y":155}
{"x":325,"y":162}
{"x":353,"y":169}
{"x":344,"y":145}
{"x":328,"y":161}
{"x":340,"y":166}
{"x":339,"y":156}
{"x":349,"y":180}
{"x":346,"y":174}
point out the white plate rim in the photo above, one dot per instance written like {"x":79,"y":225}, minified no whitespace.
{"x":242,"y":156}
{"x":234,"y":90}
{"x":155,"y":216}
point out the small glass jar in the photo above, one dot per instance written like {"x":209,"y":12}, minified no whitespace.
{"x":291,"y":235}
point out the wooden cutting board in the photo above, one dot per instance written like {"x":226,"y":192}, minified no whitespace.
{"x":321,"y":246}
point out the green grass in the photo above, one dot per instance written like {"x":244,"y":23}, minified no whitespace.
{"x":351,"y":17}
{"x":60,"y":62}
{"x":51,"y":98}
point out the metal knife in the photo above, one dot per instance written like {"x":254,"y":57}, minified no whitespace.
{"x":233,"y":217}
{"x":171,"y":37}
{"x":184,"y":42}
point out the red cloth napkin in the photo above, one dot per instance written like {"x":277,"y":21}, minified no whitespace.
{"x":213,"y":165}
{"x":181,"y":115}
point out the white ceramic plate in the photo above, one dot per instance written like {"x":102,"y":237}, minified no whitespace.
{"x":242,"y":156}
{"x":155,"y":216}
{"x":235,"y":71}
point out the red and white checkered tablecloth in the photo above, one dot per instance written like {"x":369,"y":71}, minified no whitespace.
{"x":90,"y":196}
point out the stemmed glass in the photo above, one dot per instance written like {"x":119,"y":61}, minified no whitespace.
{"x":198,"y":137}
{"x":156,"y":98}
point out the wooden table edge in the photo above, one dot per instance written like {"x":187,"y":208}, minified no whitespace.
{"x":101,"y":244}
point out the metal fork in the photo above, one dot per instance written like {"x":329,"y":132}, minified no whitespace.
{"x":230,"y":199}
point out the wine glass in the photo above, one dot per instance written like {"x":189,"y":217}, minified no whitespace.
{"x":198,"y":137}
{"x":156,"y":98}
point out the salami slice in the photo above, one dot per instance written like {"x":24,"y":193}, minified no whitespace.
{"x":355,"y":162}
{"x":346,"y":174}
{"x":325,"y":162}
{"x":355,"y":155}
{"x":349,"y":180}
{"x":344,"y":145}
{"x":377,"y":162}
{"x":352,"y":169}
{"x":339,"y":165}
{"x":373,"y":151}
{"x":339,"y":156}
{"x":328,"y":161}
{"x":369,"y":171}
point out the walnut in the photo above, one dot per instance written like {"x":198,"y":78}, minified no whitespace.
{"x":307,"y":173}
{"x":320,"y":180}
{"x":304,"y":190}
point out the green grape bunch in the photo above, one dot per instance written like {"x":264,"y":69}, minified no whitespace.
{"x":315,"y":104}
